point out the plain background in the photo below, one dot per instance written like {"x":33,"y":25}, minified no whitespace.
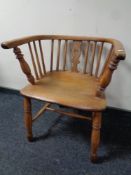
{"x":104,"y":18}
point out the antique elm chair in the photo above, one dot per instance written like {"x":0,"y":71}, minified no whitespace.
{"x":70,"y":71}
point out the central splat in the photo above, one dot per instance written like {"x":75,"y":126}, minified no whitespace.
{"x":76,"y":52}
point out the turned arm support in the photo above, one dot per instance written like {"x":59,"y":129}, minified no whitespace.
{"x":118,"y":53}
{"x":24,"y":65}
{"x":13,"y":44}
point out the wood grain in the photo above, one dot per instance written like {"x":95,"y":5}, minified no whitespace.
{"x":24,"y":65}
{"x":74,"y":88}
{"x":76,"y":51}
{"x":69,"y":89}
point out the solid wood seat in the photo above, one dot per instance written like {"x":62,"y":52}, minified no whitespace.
{"x":70,"y":71}
{"x":69,"y":89}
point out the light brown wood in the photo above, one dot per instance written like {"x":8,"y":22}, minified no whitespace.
{"x":99,"y":59}
{"x":52,"y":49}
{"x":86,"y":56}
{"x":58,"y":55}
{"x":74,"y":88}
{"x":106,"y":77}
{"x":109,"y":55}
{"x":33,"y":61}
{"x":65,"y":54}
{"x":42,"y":57}
{"x":93,"y":56}
{"x":28,"y":117}
{"x":95,"y":136}
{"x":24,"y":66}
{"x":41,"y":111}
{"x":76,"y":51}
{"x":46,"y":107}
{"x":69,"y":114}
{"x":118,"y":47}
{"x":37,"y":59}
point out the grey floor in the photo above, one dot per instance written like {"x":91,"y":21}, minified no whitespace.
{"x":62,"y":145}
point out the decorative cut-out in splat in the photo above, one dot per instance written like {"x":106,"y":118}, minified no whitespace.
{"x":76,"y":51}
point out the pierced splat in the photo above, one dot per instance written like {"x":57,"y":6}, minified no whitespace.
{"x":76,"y":52}
{"x":99,"y":59}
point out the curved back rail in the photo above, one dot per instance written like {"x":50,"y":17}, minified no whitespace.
{"x":95,"y":56}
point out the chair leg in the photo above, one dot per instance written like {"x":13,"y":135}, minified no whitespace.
{"x":95,"y":136}
{"x":28,"y":117}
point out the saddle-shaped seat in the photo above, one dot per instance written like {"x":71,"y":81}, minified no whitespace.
{"x":70,"y":71}
{"x":67,"y":88}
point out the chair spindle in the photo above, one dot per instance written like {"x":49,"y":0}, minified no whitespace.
{"x":42,"y":57}
{"x":33,"y":61}
{"x":58,"y":55}
{"x":93,"y":57}
{"x":86,"y":56}
{"x":52,"y":49}
{"x":37,"y":59}
{"x":65,"y":54}
{"x":107,"y":60}
{"x":76,"y":52}
{"x":100,"y":48}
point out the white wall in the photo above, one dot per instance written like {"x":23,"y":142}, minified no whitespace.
{"x":108,"y":18}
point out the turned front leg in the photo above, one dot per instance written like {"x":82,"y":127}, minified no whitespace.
{"x":95,"y":136}
{"x":28,"y":117}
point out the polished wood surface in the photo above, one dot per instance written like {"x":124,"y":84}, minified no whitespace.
{"x":24,"y":66}
{"x":69,"y":89}
{"x":75,"y":74}
{"x":76,"y":52}
{"x":95,"y":135}
{"x":119,"y":49}
{"x":28,"y":117}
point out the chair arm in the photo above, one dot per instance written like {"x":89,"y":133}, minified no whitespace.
{"x":118,"y":50}
{"x":23,"y":40}
{"x":19,"y":41}
{"x":118,"y":54}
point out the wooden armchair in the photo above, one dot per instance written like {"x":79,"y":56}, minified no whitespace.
{"x":70,"y":71}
